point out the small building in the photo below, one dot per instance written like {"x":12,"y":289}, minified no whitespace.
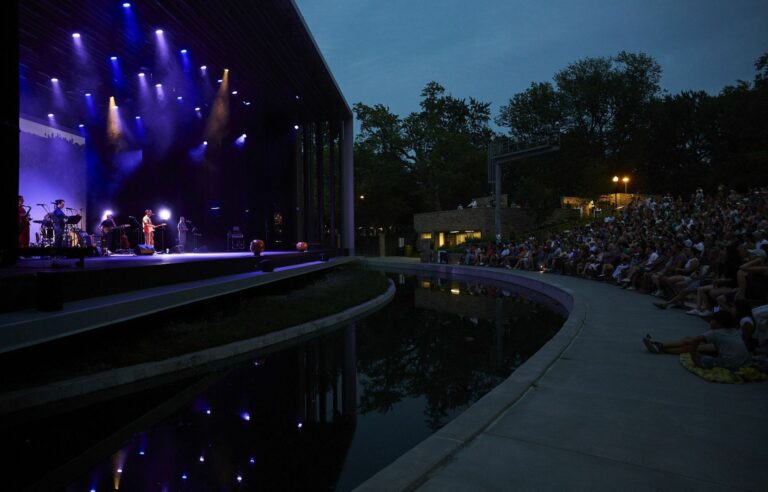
{"x":449,"y":228}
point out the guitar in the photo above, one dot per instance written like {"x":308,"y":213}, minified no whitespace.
{"x":107,"y":229}
{"x":152,"y":227}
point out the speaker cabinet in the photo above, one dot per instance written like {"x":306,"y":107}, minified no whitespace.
{"x":145,"y":249}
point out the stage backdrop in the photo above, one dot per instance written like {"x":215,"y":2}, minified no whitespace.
{"x":52,"y":165}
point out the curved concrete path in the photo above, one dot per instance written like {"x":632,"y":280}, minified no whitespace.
{"x":602,"y":414}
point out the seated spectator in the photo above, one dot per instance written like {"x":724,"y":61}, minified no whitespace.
{"x":727,"y":340}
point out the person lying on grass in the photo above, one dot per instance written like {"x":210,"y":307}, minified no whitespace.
{"x":723,"y":335}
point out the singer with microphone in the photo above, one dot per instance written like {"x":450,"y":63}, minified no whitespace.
{"x":59,"y":219}
{"x":24,"y":221}
{"x":183,"y":228}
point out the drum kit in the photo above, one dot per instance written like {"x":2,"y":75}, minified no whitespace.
{"x":72,"y":237}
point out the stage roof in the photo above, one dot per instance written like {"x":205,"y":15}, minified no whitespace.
{"x":274,"y":64}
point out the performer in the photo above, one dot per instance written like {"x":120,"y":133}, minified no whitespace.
{"x":23,"y":223}
{"x":182,"y":227}
{"x":149,"y":228}
{"x":108,"y":234}
{"x":59,"y":219}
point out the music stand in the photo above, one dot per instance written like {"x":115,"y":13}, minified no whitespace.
{"x":139,"y":231}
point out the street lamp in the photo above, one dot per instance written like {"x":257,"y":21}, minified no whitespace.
{"x":615,"y":180}
{"x":625,"y":180}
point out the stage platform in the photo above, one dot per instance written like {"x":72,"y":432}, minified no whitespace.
{"x":46,"y":283}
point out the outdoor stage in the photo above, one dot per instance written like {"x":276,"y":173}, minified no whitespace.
{"x":47,"y":282}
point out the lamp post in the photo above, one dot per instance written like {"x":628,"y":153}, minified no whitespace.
{"x":615,"y":192}
{"x":625,"y":180}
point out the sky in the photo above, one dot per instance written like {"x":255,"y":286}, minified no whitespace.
{"x":385,"y":51}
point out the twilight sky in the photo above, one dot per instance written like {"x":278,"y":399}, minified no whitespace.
{"x":385,"y":51}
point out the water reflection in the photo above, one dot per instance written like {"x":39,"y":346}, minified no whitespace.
{"x":324,"y":414}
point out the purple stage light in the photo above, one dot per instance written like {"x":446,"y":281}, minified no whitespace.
{"x":197,"y":109}
{"x":119,"y":470}
{"x":141,"y":74}
{"x":126,"y":5}
{"x":179,"y":98}
{"x":205,"y":142}
{"x":203,"y":68}
{"x":297,"y":98}
{"x":158,"y":85}
{"x":234,"y":93}
{"x":142,"y":453}
{"x":81,"y":125}
{"x":247,"y":103}
{"x":164,"y":214}
{"x":183,"y":52}
{"x":54,"y":80}
{"x":87,"y":94}
{"x":295,"y":127}
{"x":183,"y":476}
{"x":159,"y":32}
{"x":219,"y":81}
{"x":202,"y":459}
{"x":246,"y":416}
{"x":252,"y":460}
{"x":113,"y":58}
{"x":76,"y":35}
{"x":208,"y":411}
{"x":137,"y":117}
{"x":50,"y":115}
{"x":239,"y":478}
{"x":104,"y":217}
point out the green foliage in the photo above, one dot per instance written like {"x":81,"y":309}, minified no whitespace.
{"x":431,"y":159}
{"x":612,"y":118}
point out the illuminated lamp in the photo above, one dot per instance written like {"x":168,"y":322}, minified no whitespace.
{"x":257,"y":247}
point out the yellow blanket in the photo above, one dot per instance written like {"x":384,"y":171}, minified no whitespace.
{"x":723,"y":375}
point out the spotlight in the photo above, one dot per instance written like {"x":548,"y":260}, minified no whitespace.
{"x":87,"y":94}
{"x":247,"y":103}
{"x":164,"y":214}
{"x":243,"y":136}
{"x":141,"y":74}
{"x":203,"y":68}
{"x":138,"y":117}
{"x":183,"y":52}
{"x":126,"y":5}
{"x":50,"y":115}
{"x":197,"y":108}
{"x":246,"y":416}
{"x":297,"y":98}
{"x":226,"y":70}
{"x":205,"y":142}
{"x":113,"y":58}
{"x":76,"y":35}
{"x":179,"y":98}
{"x":202,"y":459}
{"x":158,"y":85}
{"x":81,"y":125}
{"x":219,"y":81}
{"x":252,"y":460}
{"x":54,"y":80}
{"x":239,"y":478}
{"x":183,"y":476}
{"x":234,"y":93}
{"x":159,"y":32}
{"x":106,"y":212}
{"x":295,"y":127}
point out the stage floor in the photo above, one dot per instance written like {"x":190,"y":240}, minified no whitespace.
{"x":47,"y":282}
{"x":24,"y":265}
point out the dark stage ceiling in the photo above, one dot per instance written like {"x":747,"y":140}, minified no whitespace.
{"x":265,"y":44}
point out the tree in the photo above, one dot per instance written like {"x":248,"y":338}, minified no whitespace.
{"x":435,"y":157}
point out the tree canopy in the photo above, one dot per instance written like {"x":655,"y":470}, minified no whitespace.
{"x":612,"y":116}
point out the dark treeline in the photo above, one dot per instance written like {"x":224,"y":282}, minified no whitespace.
{"x":613,"y":117}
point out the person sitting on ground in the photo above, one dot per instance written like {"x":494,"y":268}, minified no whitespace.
{"x":727,"y":340}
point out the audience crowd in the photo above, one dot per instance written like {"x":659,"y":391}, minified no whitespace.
{"x":706,"y":254}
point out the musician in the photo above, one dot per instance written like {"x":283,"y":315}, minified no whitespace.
{"x":23,"y":223}
{"x":108,"y":234}
{"x":182,"y":227}
{"x":149,"y":228}
{"x":59,"y":219}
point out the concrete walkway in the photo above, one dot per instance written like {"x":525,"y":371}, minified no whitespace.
{"x":600,"y":414}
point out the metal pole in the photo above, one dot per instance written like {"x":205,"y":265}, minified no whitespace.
{"x":497,"y":202}
{"x":348,"y":188}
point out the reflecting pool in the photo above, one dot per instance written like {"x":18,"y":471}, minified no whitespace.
{"x":323,"y":414}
